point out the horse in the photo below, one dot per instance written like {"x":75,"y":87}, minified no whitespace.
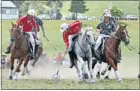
{"x":20,"y":51}
{"x":82,"y":53}
{"x":110,"y":55}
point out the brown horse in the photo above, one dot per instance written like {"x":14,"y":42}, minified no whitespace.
{"x":20,"y":51}
{"x":112,"y":43}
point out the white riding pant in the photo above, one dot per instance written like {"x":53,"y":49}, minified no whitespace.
{"x":98,"y":42}
{"x":37,"y":41}
{"x":70,"y":41}
{"x":31,"y":39}
{"x":37,"y":35}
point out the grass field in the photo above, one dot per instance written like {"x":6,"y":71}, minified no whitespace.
{"x":129,"y":67}
{"x":68,"y":84}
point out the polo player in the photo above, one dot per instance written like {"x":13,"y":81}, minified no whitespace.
{"x":28,"y":23}
{"x":106,"y":28}
{"x":68,"y":33}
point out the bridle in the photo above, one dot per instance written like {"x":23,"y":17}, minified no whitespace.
{"x":18,"y":30}
{"x":87,"y":40}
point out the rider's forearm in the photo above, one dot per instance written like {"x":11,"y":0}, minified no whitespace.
{"x":35,"y":32}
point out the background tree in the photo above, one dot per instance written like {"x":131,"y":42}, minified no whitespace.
{"x":78,"y":7}
{"x":41,"y":7}
{"x":116,"y":12}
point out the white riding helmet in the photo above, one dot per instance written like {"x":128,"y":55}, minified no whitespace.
{"x":107,"y":15}
{"x":64,"y":27}
{"x":106,"y":11}
{"x":31,"y":12}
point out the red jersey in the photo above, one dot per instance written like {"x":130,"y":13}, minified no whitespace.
{"x":27,"y":25}
{"x":74,"y":28}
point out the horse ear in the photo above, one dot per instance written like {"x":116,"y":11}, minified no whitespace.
{"x":120,"y":26}
{"x":125,"y":25}
{"x":12,"y":23}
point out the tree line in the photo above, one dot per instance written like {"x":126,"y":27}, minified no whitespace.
{"x":51,"y":6}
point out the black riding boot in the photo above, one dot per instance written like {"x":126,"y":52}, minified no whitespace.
{"x":31,"y":53}
{"x":71,"y":59}
{"x":8,"y":50}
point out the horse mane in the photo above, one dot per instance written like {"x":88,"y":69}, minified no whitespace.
{"x":118,"y":31}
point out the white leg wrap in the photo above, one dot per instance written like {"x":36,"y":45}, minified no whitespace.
{"x":16,"y":76}
{"x":117,"y":75}
{"x":84,"y":68}
{"x":11,"y":73}
{"x":99,"y":67}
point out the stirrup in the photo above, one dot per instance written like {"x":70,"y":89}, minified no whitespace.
{"x":7,"y":52}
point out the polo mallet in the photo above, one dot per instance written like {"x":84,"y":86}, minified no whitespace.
{"x":56,"y":77}
{"x":50,"y":43}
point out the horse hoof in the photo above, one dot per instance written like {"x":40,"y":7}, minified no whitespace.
{"x":85,"y":76}
{"x":23,"y":74}
{"x":10,"y":78}
{"x":98,"y":75}
{"x":103,"y":73}
{"x":119,"y":80}
{"x":15,"y":78}
{"x":80,"y":81}
{"x":92,"y":81}
{"x":106,"y":77}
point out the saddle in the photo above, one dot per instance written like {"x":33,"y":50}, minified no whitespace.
{"x":28,"y":42}
{"x":102,"y":46}
{"x":74,"y":41}
{"x":72,"y":53}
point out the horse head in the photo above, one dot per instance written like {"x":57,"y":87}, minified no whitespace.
{"x":16,"y":30}
{"x":123,"y":34}
{"x":86,"y":35}
{"x":90,"y":35}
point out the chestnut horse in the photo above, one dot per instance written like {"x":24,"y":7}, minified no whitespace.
{"x":112,"y":43}
{"x":20,"y":51}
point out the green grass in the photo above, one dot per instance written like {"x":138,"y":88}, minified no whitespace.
{"x":67,"y":84}
{"x":96,"y":8}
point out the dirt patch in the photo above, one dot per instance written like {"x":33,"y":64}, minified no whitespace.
{"x":128,"y":68}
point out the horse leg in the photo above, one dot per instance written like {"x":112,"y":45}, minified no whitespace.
{"x":12,"y":67}
{"x":91,"y":71}
{"x":84,"y":73}
{"x":78,"y":69}
{"x":99,"y":70}
{"x":18,"y":69}
{"x":108,"y":71}
{"x":40,"y":50}
{"x":111,"y":61}
{"x":25,"y":65}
